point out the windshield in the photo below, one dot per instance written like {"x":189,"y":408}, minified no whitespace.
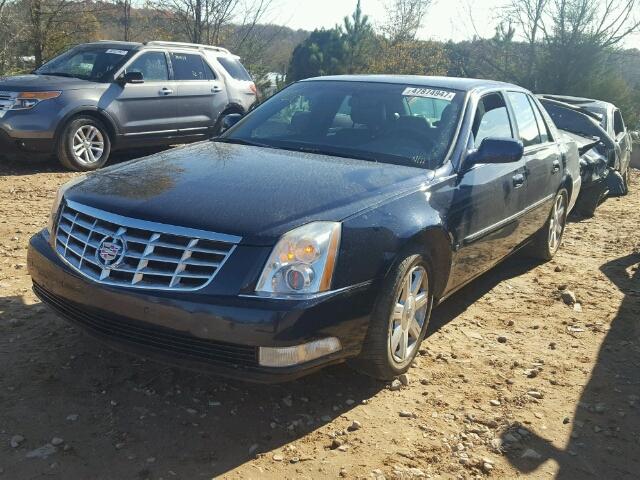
{"x":379,"y":122}
{"x":598,"y":111}
{"x":96,"y":64}
{"x":572,"y":121}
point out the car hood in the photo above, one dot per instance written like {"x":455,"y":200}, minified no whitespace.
{"x":252,"y":192}
{"x":21,"y":83}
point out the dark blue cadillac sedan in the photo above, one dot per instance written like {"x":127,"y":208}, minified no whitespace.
{"x":322,"y":227}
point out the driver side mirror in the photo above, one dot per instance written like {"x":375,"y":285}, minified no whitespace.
{"x":131,"y":77}
{"x":496,"y":150}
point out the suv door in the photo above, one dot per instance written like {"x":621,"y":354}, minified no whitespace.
{"x":488,"y":198}
{"x":147,"y":109}
{"x":202,"y":93}
{"x":542,"y":162}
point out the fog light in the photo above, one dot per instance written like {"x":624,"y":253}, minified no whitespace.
{"x":289,"y":356}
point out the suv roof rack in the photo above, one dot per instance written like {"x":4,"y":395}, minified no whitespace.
{"x":188,"y":45}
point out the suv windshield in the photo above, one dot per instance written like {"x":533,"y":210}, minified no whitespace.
{"x":94,"y":63}
{"x":392,"y":123}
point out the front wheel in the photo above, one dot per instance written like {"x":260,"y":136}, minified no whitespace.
{"x":399,"y":320}
{"x":84,"y":144}
{"x":548,"y":240}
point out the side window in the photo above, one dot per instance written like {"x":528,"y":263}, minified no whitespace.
{"x":618,"y":124}
{"x":152,"y":65}
{"x":208,"y":71}
{"x":542,"y":126}
{"x":234,"y":68}
{"x":491,"y":120}
{"x":526,"y":119}
{"x":187,"y":66}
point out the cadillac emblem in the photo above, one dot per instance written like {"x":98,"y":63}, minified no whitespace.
{"x":110,"y":252}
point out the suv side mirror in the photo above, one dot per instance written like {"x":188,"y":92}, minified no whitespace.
{"x":131,"y":77}
{"x":496,"y":150}
{"x":229,"y":121}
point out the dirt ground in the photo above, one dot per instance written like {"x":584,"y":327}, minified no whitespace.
{"x":511,"y":381}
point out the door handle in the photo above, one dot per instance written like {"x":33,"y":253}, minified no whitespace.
{"x":216,"y":89}
{"x":166,"y":91}
{"x":556,"y":167}
{"x":518,"y":180}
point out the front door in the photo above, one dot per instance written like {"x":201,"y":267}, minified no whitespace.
{"x":542,"y":162}
{"x":149,"y":109}
{"x":202,"y":93}
{"x":484,"y":215}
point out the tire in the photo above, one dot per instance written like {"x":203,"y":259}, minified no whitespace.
{"x":84,"y":144}
{"x":626,"y":179}
{"x":548,"y":240}
{"x":381,"y":357}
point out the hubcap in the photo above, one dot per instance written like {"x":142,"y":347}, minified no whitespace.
{"x":556,"y":223}
{"x":88,"y":145}
{"x":408,"y":316}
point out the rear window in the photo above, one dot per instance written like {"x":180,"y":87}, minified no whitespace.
{"x":235,"y":68}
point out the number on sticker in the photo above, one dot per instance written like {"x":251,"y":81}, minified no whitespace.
{"x":428,"y":93}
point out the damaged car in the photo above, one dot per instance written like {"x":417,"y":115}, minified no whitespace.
{"x":596,"y":148}
{"x":610,"y":119}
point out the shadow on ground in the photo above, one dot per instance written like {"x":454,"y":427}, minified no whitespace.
{"x":139,"y":417}
{"x":610,"y":402}
{"x":27,"y":166}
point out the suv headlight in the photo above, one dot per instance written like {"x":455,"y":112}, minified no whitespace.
{"x":302,"y":261}
{"x":58,"y":200}
{"x":28,"y":100}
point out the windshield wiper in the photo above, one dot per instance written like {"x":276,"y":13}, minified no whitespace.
{"x":240,"y":141}
{"x":57,"y":74}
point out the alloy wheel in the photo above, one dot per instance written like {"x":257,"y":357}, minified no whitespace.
{"x":557,"y":223}
{"x":408,"y":315}
{"x":88,"y":145}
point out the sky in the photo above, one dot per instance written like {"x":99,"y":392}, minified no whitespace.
{"x":445,"y":20}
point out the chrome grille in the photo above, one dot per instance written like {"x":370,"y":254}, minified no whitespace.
{"x":7,"y":99}
{"x":152,"y":255}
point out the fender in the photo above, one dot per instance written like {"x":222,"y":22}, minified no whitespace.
{"x":103,"y":115}
{"x":401,"y":224}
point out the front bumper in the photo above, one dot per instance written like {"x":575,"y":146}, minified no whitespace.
{"x":12,"y":147}
{"x":218,"y":334}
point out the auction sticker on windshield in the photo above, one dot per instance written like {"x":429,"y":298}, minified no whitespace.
{"x":428,"y":93}
{"x":117,"y":52}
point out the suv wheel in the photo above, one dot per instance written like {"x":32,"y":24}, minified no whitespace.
{"x":84,"y":144}
{"x":399,"y":321}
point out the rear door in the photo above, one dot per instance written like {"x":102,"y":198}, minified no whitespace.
{"x":543,"y":163}
{"x":147,"y":109}
{"x":484,"y":214}
{"x":201,"y":92}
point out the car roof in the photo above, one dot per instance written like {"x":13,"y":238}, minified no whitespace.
{"x":579,"y":101}
{"x":456,"y":83}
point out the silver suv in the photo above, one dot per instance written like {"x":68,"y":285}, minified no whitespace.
{"x":109,"y":95}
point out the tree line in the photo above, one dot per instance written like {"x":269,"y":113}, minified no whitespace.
{"x":572,"y":47}
{"x":568,"y":47}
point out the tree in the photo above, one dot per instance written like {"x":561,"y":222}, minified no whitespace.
{"x":358,"y":36}
{"x":323,"y":53}
{"x":404,"y":19}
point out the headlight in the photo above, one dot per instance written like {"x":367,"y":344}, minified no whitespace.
{"x":302,"y":261}
{"x":28,"y":100}
{"x":58,"y":200}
